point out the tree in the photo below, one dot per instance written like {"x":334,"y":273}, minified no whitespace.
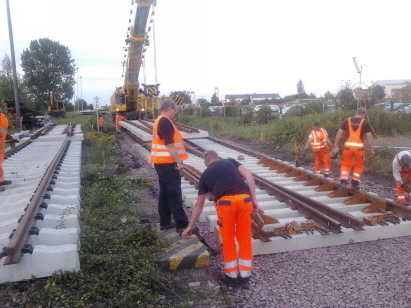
{"x":202,"y":101}
{"x":214,"y":99}
{"x":328,"y":95}
{"x":300,"y":88}
{"x":378,"y":91}
{"x":346,"y":97}
{"x":6,"y":78}
{"x":48,"y":66}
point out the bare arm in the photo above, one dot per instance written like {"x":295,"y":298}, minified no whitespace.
{"x":173,"y":152}
{"x":198,"y":208}
{"x":370,"y":141}
{"x":248,"y":176}
{"x":338,"y":137}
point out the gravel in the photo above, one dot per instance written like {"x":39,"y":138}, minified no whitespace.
{"x":366,"y":274}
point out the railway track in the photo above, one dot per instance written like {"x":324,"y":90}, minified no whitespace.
{"x":39,"y":229}
{"x":310,"y":211}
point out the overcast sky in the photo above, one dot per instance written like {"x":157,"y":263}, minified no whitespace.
{"x":261,"y":46}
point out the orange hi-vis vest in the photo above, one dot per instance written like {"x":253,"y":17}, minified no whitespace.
{"x":354,"y":137}
{"x":4,"y":124}
{"x":401,"y":164}
{"x":159,"y":151}
{"x":318,"y":142}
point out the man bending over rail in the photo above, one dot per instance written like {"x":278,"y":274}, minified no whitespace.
{"x":235,"y":201}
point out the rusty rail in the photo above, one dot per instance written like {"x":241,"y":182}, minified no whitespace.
{"x":18,"y":242}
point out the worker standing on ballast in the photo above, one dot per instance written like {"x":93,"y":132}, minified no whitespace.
{"x":320,"y":144}
{"x":168,"y":153}
{"x":401,"y":169}
{"x":119,"y":118}
{"x":4,"y":135}
{"x":356,"y":129}
{"x":235,"y":202}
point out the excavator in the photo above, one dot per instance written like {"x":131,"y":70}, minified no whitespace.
{"x":56,"y":109}
{"x":129,"y":100}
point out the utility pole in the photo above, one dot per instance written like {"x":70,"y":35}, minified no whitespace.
{"x":78,"y":106}
{"x":13,"y":64}
{"x":81,"y":92}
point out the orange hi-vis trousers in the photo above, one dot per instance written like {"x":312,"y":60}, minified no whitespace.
{"x":400,"y":190}
{"x":234,"y":221}
{"x":350,"y":154}
{"x":322,"y":155}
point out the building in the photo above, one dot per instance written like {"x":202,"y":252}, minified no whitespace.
{"x":256,"y":97}
{"x":390,"y":86}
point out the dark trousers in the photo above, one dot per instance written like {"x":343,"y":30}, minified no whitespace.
{"x":170,"y":199}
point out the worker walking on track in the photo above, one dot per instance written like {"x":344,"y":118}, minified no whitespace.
{"x":101,"y":121}
{"x":167,"y":154}
{"x":401,"y":169}
{"x":320,"y":144}
{"x":119,"y":118}
{"x":235,"y":201}
{"x":4,"y":135}
{"x":356,"y":129}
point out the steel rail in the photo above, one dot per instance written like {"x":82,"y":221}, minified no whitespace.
{"x":18,"y":242}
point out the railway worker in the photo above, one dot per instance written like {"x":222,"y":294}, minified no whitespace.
{"x":167,"y":154}
{"x":4,"y":135}
{"x":235,"y":202}
{"x":101,"y":121}
{"x":119,"y":118}
{"x":401,"y":168}
{"x":320,"y":144}
{"x":356,"y":130}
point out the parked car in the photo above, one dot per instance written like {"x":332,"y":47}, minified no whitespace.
{"x":256,"y":108}
{"x":275,"y":108}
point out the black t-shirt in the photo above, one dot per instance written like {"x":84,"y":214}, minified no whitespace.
{"x":165,"y":131}
{"x":355,"y":122}
{"x":222,"y":178}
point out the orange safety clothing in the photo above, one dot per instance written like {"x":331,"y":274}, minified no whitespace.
{"x":4,"y":124}
{"x":353,"y":150}
{"x":234,"y":221}
{"x":159,"y":151}
{"x":119,"y":118}
{"x":403,"y":173}
{"x":321,"y":150}
{"x":101,"y":122}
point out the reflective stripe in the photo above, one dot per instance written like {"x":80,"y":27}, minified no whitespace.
{"x":3,"y":130}
{"x":245,"y":274}
{"x":247,"y":263}
{"x":166,"y":153}
{"x":161,"y":146}
{"x":354,"y":144}
{"x":232,"y":274}
{"x":232,"y":264}
{"x":356,"y":174}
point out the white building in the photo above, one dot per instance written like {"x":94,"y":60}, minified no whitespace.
{"x":391,"y":85}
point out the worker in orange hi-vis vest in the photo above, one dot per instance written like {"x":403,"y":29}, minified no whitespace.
{"x":401,"y":169}
{"x":4,"y":135}
{"x":356,"y":129}
{"x":235,"y":202}
{"x":167,"y":154}
{"x":100,"y":121}
{"x":119,"y":118}
{"x":320,"y":144}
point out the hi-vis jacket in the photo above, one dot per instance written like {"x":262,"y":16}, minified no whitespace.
{"x":159,"y":151}
{"x":4,"y":124}
{"x":318,"y":142}
{"x":354,"y":137}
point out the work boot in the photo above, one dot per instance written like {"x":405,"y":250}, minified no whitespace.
{"x":5,"y":182}
{"x":355,"y":184}
{"x":228,"y":281}
{"x":166,"y":227}
{"x":244,"y":283}
{"x":343,"y":186}
{"x":2,"y":188}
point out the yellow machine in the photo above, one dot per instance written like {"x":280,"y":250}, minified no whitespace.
{"x":129,"y":100}
{"x":56,"y":108}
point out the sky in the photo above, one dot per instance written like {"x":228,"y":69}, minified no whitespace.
{"x":239,"y":47}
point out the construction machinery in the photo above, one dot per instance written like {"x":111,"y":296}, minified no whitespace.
{"x":129,"y":100}
{"x":56,"y":109}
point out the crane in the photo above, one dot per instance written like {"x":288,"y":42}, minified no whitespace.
{"x":129,"y":100}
